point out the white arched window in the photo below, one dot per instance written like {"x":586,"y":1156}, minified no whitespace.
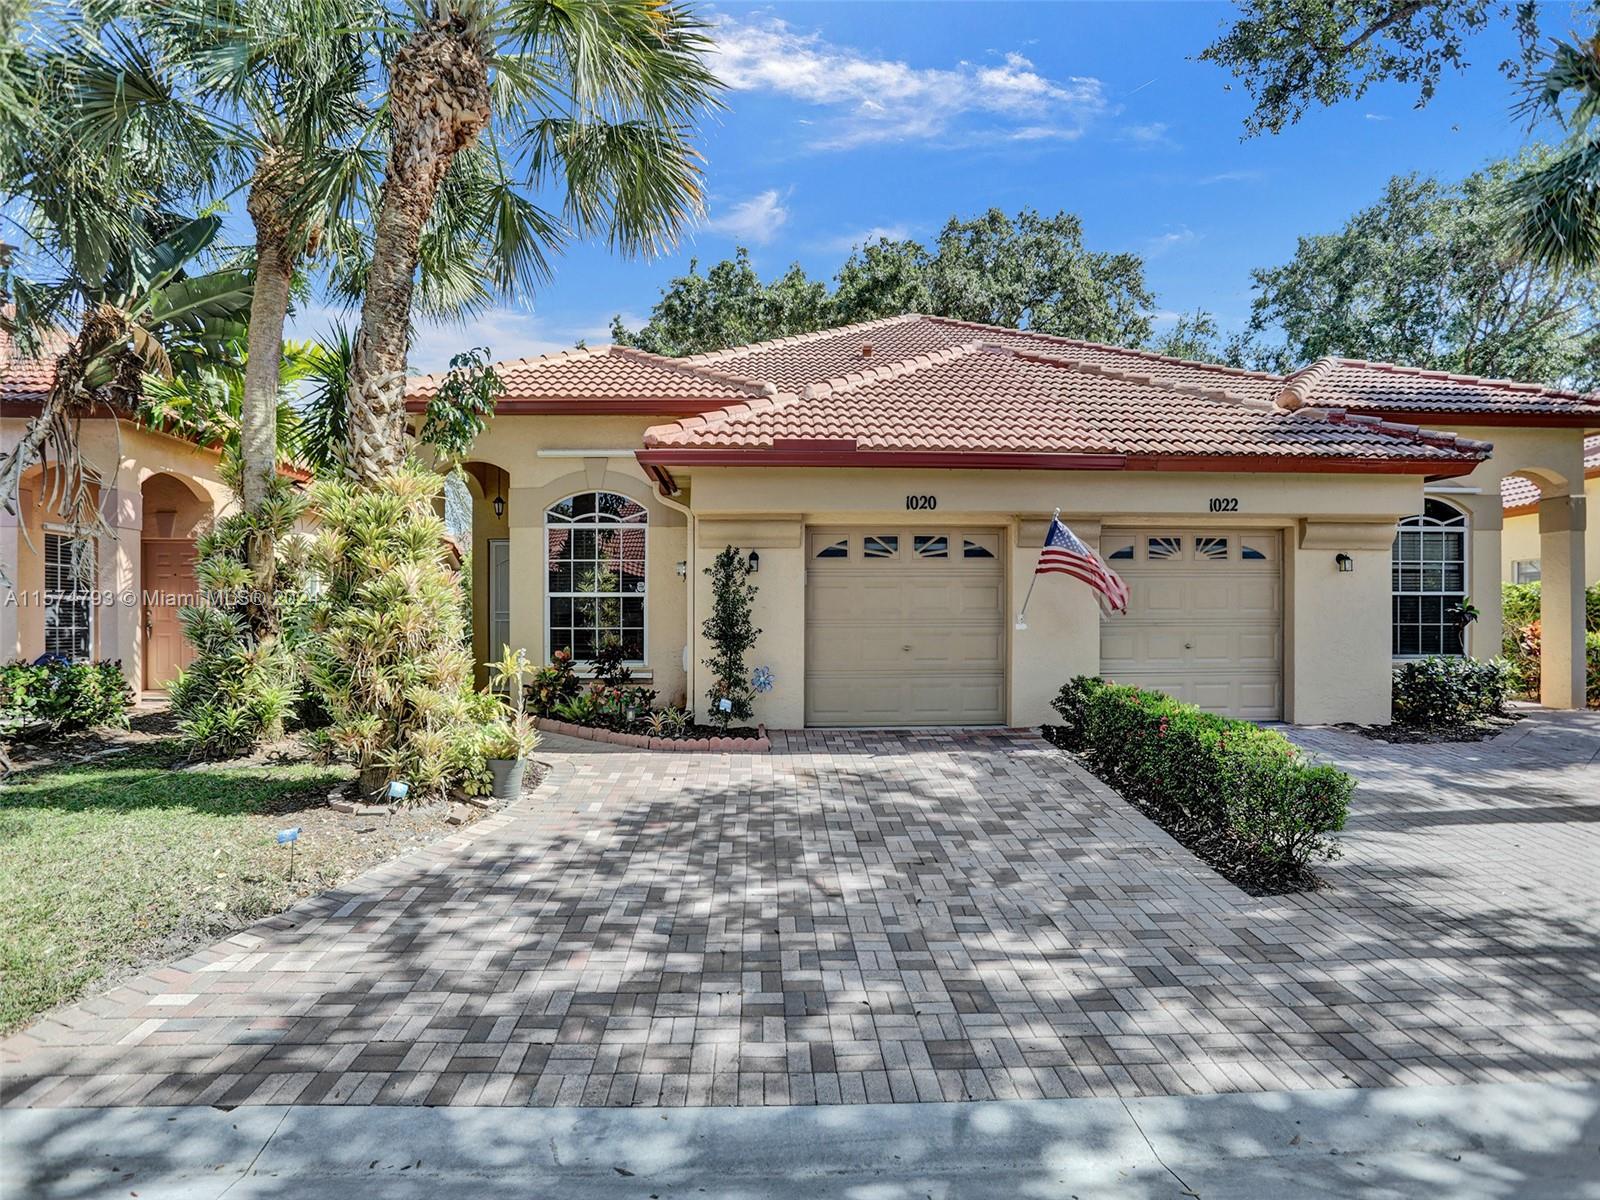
{"x":595,"y":574}
{"x":1430,"y":581}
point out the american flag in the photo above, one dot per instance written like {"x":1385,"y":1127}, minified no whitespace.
{"x":1065,"y":554}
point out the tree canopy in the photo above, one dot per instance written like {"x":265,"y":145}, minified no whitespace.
{"x":1028,"y":271}
{"x":1294,"y":55}
{"x":1431,"y":276}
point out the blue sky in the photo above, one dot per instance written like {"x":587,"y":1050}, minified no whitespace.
{"x":846,"y":119}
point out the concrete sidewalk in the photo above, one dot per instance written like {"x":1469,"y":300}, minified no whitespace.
{"x":1526,"y":1141}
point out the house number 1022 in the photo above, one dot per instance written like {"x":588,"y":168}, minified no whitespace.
{"x":921,"y":503}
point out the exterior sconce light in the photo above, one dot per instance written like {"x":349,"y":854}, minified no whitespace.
{"x":683,"y":570}
{"x":755,"y":562}
{"x":499,"y":507}
{"x":1345,"y":563}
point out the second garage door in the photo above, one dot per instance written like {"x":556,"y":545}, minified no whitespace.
{"x":904,"y":627}
{"x":1205,"y":622}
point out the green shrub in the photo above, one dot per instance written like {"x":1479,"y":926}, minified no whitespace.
{"x":1242,"y":797}
{"x":57,"y":696}
{"x":1591,"y":646}
{"x":553,"y":684}
{"x":1433,"y":693}
{"x":387,"y":652}
{"x":1523,"y":633}
{"x":731,"y":633}
{"x":245,"y":682}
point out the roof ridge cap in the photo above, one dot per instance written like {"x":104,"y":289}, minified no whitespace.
{"x":1443,"y":439}
{"x":1132,"y":351}
{"x":682,"y":367}
{"x":794,"y":339}
{"x":1298,"y":388}
{"x":1166,"y":385}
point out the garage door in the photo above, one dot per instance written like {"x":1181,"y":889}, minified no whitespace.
{"x":1205,"y":622}
{"x":904,"y":627}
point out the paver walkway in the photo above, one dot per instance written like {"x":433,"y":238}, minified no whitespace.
{"x":877,"y":917}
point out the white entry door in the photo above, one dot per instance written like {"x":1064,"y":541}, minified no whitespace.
{"x":904,"y":626}
{"x":1205,"y":621}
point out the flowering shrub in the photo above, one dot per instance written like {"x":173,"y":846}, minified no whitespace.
{"x":1521,"y":645}
{"x":1243,"y":798}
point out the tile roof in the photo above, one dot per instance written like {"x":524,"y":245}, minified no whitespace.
{"x":1517,"y":492}
{"x":606,"y":376}
{"x":1362,"y":386}
{"x":792,"y":363}
{"x":982,"y":398}
{"x":27,"y":380}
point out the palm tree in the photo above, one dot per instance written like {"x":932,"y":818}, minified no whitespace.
{"x":110,"y":254}
{"x":595,"y":97}
{"x":1555,"y":202}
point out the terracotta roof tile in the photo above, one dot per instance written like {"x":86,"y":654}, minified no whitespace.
{"x":615,"y":374}
{"x":793,"y":362}
{"x":27,"y":380}
{"x":1356,"y":384}
{"x":1521,"y":493}
{"x":981,"y":397}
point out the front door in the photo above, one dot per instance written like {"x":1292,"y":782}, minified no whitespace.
{"x":168,"y":584}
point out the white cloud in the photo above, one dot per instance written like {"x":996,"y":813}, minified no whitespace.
{"x":884,"y":100}
{"x":1248,"y":175}
{"x":1378,"y":117}
{"x":1159,"y":244}
{"x":847,"y":242}
{"x":757,"y":219}
{"x":1152,"y":134}
{"x":507,"y":332}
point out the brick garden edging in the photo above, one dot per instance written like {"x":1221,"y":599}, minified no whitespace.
{"x":642,"y":741}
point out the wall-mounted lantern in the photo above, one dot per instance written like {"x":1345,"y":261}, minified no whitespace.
{"x":499,"y":507}
{"x":499,"y":494}
{"x":683,"y":570}
{"x":1345,"y":563}
{"x":755,"y":562}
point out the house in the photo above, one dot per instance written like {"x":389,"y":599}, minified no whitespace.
{"x":115,"y":596}
{"x":1284,"y":538}
{"x":1520,"y":552}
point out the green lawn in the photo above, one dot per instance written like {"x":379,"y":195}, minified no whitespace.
{"x":106,"y":865}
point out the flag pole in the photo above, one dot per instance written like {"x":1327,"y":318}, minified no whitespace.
{"x":1021,"y":624}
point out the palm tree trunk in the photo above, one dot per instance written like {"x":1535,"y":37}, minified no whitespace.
{"x":439,"y":102}
{"x":53,"y":432}
{"x":258,"y":411}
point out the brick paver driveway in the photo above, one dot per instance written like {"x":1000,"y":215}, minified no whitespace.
{"x":891,"y":917}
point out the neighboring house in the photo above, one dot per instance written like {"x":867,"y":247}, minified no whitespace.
{"x":1520,"y":551}
{"x":116,"y":596}
{"x":894,"y":480}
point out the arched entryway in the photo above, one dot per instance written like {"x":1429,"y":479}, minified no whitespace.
{"x":485,"y":535}
{"x":174,"y":510}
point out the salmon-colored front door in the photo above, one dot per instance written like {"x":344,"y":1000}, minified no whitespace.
{"x":168,"y":585}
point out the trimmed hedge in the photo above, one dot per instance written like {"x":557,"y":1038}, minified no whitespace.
{"x":1434,"y":693}
{"x":57,"y":696}
{"x":1243,"y":798}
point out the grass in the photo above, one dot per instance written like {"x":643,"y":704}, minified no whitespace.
{"x":107,"y":865}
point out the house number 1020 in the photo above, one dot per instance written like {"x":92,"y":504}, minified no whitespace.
{"x":921,"y":503}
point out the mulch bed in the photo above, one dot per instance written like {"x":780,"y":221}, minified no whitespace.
{"x":1476,"y":731}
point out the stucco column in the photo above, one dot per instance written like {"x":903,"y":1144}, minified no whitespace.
{"x":10,"y":585}
{"x":1063,"y":634}
{"x":1483,"y":583}
{"x":119,"y":614}
{"x":1338,"y":633}
{"x":1561,"y":603}
{"x":525,"y":535}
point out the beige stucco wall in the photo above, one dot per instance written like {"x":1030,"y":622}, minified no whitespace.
{"x":131,"y":462}
{"x":1519,"y":540}
{"x":513,"y":443}
{"x":1336,"y":648}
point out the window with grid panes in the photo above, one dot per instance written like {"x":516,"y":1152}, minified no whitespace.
{"x":1429,"y":581}
{"x":595,"y":574}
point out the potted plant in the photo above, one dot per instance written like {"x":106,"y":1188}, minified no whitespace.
{"x":508,"y":743}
